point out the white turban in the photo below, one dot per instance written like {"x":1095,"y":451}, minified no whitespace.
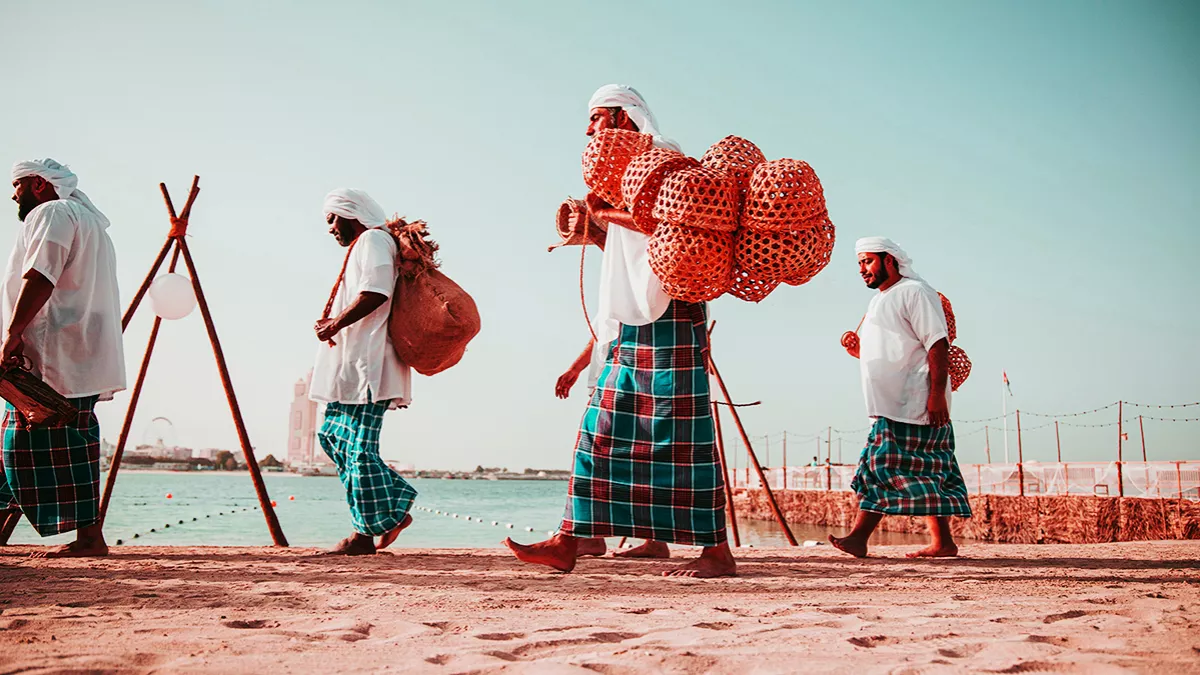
{"x":64,"y":180}
{"x":628,"y":99}
{"x":355,"y":205}
{"x":885,"y":245}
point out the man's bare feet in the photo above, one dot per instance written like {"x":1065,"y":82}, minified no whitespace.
{"x":558,"y":552}
{"x":949,"y":550}
{"x":649,"y":549}
{"x":80,"y":548}
{"x":596,"y":547}
{"x":387,"y":539}
{"x":355,"y":544}
{"x":714,"y":561}
{"x":852,"y":545}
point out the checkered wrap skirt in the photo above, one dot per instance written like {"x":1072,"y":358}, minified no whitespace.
{"x":378,"y":497}
{"x":53,"y":473}
{"x":645,"y":459}
{"x":910,"y":470}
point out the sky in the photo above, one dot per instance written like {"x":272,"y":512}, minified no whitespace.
{"x":1039,"y":162}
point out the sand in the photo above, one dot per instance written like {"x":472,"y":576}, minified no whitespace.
{"x":1100,"y":608}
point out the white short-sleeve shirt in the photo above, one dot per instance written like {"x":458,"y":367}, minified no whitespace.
{"x":74,"y":342}
{"x":363,"y":367}
{"x":901,"y":324}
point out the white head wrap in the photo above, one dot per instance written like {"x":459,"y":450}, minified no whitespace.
{"x":355,"y":205}
{"x":628,"y":99}
{"x":64,"y":180}
{"x":885,"y":245}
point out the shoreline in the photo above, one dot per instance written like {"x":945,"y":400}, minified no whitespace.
{"x":1102,"y":608}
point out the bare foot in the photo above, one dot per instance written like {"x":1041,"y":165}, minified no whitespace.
{"x":80,"y":548}
{"x":649,"y":549}
{"x":387,"y":539}
{"x":852,"y":545}
{"x":355,"y":544}
{"x":934,"y":551}
{"x":714,"y":561}
{"x":558,"y":552}
{"x":596,"y":547}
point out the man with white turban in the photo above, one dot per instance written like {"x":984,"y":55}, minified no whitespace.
{"x":61,"y":316}
{"x":645,"y":460}
{"x":358,"y":375}
{"x":908,"y":467}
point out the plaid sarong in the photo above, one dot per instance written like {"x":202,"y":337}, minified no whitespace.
{"x":53,"y":473}
{"x":378,"y":497}
{"x":645,"y":459}
{"x":910,"y":470}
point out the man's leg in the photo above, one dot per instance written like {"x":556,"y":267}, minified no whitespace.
{"x":855,"y":543}
{"x":337,"y":431}
{"x":559,"y":552}
{"x":648,"y":549}
{"x":941,"y":543}
{"x":714,"y":561}
{"x":379,"y":498}
{"x":595,"y":546}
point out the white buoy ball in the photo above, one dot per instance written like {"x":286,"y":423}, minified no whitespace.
{"x":171,"y":296}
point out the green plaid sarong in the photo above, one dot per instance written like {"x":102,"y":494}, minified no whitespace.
{"x":378,"y":497}
{"x":52,"y":473}
{"x":910,"y":470}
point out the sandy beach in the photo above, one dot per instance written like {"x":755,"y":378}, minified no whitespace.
{"x":1103,"y":608}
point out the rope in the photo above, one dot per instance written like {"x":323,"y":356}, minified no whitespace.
{"x":166,"y":526}
{"x":587,"y":221}
{"x":469,"y":518}
{"x":1078,"y":414}
{"x":1162,"y":407}
{"x":336,"y":285}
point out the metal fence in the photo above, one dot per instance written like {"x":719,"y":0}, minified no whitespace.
{"x":1109,"y":479}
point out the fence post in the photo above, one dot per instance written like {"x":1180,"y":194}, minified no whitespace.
{"x":1020,"y":457}
{"x":1057,"y":441}
{"x":987,"y":444}
{"x":785,"y":460}
{"x":1120,"y":448}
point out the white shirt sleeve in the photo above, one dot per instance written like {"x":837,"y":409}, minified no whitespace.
{"x":375,"y":260}
{"x":926,"y":316}
{"x":48,"y":241}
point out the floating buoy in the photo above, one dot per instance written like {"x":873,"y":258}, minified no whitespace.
{"x":509,"y":526}
{"x":529,"y":529}
{"x":169,"y":496}
{"x":494,"y":523}
{"x":292,"y":498}
{"x":274,"y":503}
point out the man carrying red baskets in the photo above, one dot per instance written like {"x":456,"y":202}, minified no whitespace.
{"x":645,"y":458}
{"x":908,"y":467}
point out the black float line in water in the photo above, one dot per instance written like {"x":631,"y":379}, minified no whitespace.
{"x":138,"y":535}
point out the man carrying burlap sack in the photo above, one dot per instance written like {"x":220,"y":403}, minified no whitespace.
{"x":358,"y":374}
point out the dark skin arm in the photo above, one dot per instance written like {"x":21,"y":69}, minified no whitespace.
{"x":602,"y":210}
{"x":35,"y":293}
{"x":562,"y":388}
{"x":358,"y":310}
{"x":939,"y":373}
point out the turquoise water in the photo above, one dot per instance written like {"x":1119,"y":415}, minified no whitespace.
{"x":318,"y":515}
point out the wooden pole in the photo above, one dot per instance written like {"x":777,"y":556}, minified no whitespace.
{"x":785,"y":460}
{"x":1120,"y":448}
{"x":264,"y":501}
{"x":737,"y":420}
{"x":1142,"y":432}
{"x":1057,"y":441}
{"x":987,"y":444}
{"x":141,"y":292}
{"x":8,"y":522}
{"x":1020,"y":456}
{"x":737,"y":540}
{"x":829,"y":447}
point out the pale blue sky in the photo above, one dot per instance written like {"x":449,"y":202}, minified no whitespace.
{"x":1039,"y":161}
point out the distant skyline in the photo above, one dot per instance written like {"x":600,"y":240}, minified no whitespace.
{"x":1039,"y":161}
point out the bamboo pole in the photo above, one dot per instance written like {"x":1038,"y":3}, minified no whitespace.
{"x":1057,"y":441}
{"x":8,"y":522}
{"x":737,"y":539}
{"x":1120,"y":448}
{"x":737,"y":420}
{"x":1020,"y":457}
{"x":785,"y":472}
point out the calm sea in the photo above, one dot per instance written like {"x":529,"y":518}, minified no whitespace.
{"x":218,"y":509}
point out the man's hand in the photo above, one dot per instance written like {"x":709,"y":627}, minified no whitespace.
{"x":562,"y":388}
{"x":326,"y":329}
{"x":595,"y":204}
{"x":939,"y":410}
{"x":14,"y":350}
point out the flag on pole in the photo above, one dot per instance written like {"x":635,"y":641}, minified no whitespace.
{"x":1125,"y":435}
{"x":1006,"y":384}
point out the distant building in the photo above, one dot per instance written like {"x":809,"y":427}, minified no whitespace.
{"x":206,"y":453}
{"x":303,"y":450}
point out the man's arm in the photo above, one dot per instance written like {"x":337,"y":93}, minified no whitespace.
{"x":35,"y":293}
{"x":602,"y":210}
{"x":562,"y":388}
{"x":363,"y":305}
{"x":939,"y":373}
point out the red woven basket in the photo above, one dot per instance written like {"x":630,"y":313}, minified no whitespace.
{"x":960,"y":367}
{"x":749,"y":287}
{"x":693,"y":264}
{"x":784,"y":194}
{"x":850,"y":343}
{"x":644,"y":178}
{"x":792,"y":257}
{"x":737,"y":157}
{"x":951,"y":324}
{"x":605,"y":160}
{"x":698,"y":197}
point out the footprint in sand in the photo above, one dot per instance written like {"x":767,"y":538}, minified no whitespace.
{"x":250,"y":623}
{"x":869,"y":642}
{"x":500,"y":636}
{"x":714,"y":625}
{"x":1073,"y":614}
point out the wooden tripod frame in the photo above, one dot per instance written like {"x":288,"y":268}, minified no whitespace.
{"x":176,"y":244}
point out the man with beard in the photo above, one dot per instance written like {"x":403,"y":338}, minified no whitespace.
{"x":908,"y":466}
{"x":645,"y":462}
{"x":62,"y":319}
{"x":358,"y":375}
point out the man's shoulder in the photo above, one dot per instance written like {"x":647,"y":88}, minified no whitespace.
{"x":378,"y":237}
{"x":53,"y":211}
